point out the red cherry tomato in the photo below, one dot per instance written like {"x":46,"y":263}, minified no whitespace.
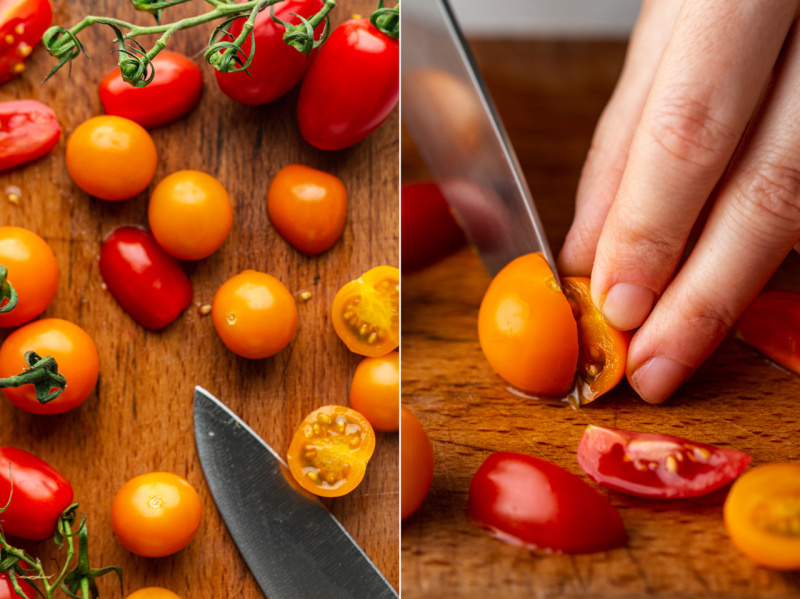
{"x":28,"y":130}
{"x":276,"y":67}
{"x":40,"y":494}
{"x":351,"y":87}
{"x":22,"y":24}
{"x":655,"y":465}
{"x":429,"y":231}
{"x":530,"y":502}
{"x":772,"y":325}
{"x":148,"y":283}
{"x":174,"y":91}
{"x":7,"y":588}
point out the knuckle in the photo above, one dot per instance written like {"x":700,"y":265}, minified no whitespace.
{"x":769,"y":199}
{"x":707,"y":316}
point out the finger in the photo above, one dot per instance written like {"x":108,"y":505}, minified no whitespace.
{"x":605,"y":162}
{"x":703,"y":96}
{"x":752,"y":227}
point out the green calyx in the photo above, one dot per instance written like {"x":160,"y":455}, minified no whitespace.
{"x":387,"y":20}
{"x":7,"y":292}
{"x":43,"y":374}
{"x":301,"y":36}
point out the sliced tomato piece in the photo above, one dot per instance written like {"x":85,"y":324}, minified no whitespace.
{"x":22,"y":24}
{"x":656,"y":465}
{"x":772,"y":325}
{"x":28,"y":130}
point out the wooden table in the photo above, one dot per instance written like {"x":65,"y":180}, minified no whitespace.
{"x":550,"y":95}
{"x":139,"y":418}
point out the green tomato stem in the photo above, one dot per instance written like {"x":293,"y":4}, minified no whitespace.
{"x":42,"y":374}
{"x":7,"y":292}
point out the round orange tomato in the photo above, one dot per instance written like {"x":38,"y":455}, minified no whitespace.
{"x":329,"y":452}
{"x":153,"y":593}
{"x":111,"y":158}
{"x":376,"y":391}
{"x":190,"y":215}
{"x":366,"y":312}
{"x":307,"y":207}
{"x":70,"y":346}
{"x":762,"y":515}
{"x":156,"y":514}
{"x":254,"y":314}
{"x":527,"y":330}
{"x":32,"y":272}
{"x":416,"y":464}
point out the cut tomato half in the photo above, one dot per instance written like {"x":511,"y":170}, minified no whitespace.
{"x":772,"y":325}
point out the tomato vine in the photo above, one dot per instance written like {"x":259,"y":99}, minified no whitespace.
{"x":43,"y":374}
{"x":7,"y":292}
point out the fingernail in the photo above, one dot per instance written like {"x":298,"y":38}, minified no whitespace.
{"x":658,"y":378}
{"x":627,"y":305}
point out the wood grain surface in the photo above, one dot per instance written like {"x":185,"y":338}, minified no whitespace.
{"x":550,"y":95}
{"x":139,"y":418}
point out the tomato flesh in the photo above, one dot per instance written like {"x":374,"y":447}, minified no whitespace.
{"x":530,"y":502}
{"x":430,"y":232}
{"x":22,"y":24}
{"x":656,"y":465}
{"x":772,"y":325}
{"x":28,"y":130}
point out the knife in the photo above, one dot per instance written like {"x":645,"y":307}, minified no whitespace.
{"x":293,"y":546}
{"x":454,"y":123}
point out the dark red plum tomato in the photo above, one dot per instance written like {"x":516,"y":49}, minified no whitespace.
{"x":429,"y":231}
{"x":22,"y":24}
{"x":28,"y":130}
{"x":351,"y":87}
{"x":40,"y":495}
{"x":772,"y":325}
{"x":7,"y":588}
{"x":276,"y":67}
{"x":530,"y":502}
{"x":174,"y":91}
{"x":656,"y":465}
{"x":148,"y":283}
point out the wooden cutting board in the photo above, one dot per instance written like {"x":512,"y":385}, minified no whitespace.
{"x":550,"y":95}
{"x":139,"y":418}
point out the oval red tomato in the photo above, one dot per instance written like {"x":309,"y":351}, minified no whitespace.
{"x":772,"y":325}
{"x":276,"y":67}
{"x":148,"y":283}
{"x":656,"y":465}
{"x":429,"y":231}
{"x":40,"y":494}
{"x":174,"y":91}
{"x":28,"y":130}
{"x":528,"y":501}
{"x":7,"y":588}
{"x":351,"y":87}
{"x":22,"y":24}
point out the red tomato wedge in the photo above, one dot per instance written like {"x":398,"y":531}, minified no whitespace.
{"x":656,"y":465}
{"x":530,"y":502}
{"x":22,"y":24}
{"x":772,"y":325}
{"x":28,"y":130}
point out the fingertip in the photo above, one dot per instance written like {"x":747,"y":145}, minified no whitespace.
{"x":576,"y":257}
{"x":658,"y":378}
{"x":627,"y":305}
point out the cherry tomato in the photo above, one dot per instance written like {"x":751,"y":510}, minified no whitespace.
{"x":376,"y":391}
{"x":190,"y":215}
{"x":32,"y":271}
{"x":153,"y":593}
{"x":28,"y":130}
{"x":111,"y":158}
{"x":762,"y":515}
{"x":7,"y":588}
{"x":329,"y":452}
{"x":276,"y":67}
{"x":351,"y":87}
{"x":366,"y":312}
{"x":255,"y":314}
{"x":603,"y":349}
{"x":772,"y":325}
{"x":156,"y":514}
{"x":39,"y":497}
{"x":655,"y":465}
{"x":72,"y":349}
{"x":530,"y":502}
{"x":148,"y":283}
{"x":174,"y":91}
{"x":527,"y":330}
{"x":22,"y":24}
{"x":416,"y":464}
{"x":429,"y":231}
{"x":307,"y":207}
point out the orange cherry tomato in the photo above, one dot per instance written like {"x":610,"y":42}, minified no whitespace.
{"x":153,"y":593}
{"x":329,"y":452}
{"x":307,"y":207}
{"x":527,"y":330}
{"x":376,"y":391}
{"x":111,"y":158}
{"x":32,"y":271}
{"x":603,"y":349}
{"x":255,"y":314}
{"x":416,"y":464}
{"x":70,"y":346}
{"x":190,"y":215}
{"x":156,"y":514}
{"x":366,"y":312}
{"x":762,"y":512}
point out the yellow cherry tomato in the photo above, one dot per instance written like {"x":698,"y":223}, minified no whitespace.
{"x":153,"y":593}
{"x":416,"y":464}
{"x":376,"y":391}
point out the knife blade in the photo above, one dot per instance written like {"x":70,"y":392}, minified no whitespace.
{"x":294,"y":547}
{"x":451,"y":117}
